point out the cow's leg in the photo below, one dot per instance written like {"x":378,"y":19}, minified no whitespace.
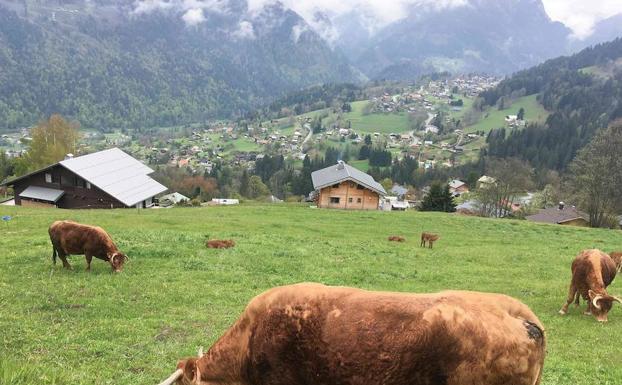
{"x":430,"y":243}
{"x":89,"y":258}
{"x":572,"y":292}
{"x":63,"y":258}
{"x":588,"y":310}
{"x":422,"y":242}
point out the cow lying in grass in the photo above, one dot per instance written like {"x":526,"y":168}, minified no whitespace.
{"x":592,"y":272}
{"x":430,"y":238}
{"x":220,"y":243}
{"x":315,"y":334}
{"x":69,"y":237}
{"x":396,"y":238}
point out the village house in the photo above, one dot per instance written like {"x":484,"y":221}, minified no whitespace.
{"x":344,"y":187}
{"x":104,"y":179}
{"x":560,"y":215}
{"x":458,"y":187}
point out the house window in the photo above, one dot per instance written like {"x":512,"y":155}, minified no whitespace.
{"x":334,"y":200}
{"x":358,"y":200}
{"x":88,"y":185}
{"x":336,"y":185}
{"x":349,"y":200}
{"x":79,"y":182}
{"x":359,"y":187}
{"x":48,"y":177}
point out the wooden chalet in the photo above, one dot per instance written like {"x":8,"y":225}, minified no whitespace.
{"x":104,"y":179}
{"x":344,"y":187}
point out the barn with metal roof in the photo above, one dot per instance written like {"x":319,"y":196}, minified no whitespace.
{"x":104,"y":179}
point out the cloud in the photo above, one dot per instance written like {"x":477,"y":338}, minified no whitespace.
{"x":376,"y":13}
{"x":245,"y":30}
{"x":149,"y":6}
{"x":193,"y":16}
{"x":581,"y":16}
{"x":297,"y":31}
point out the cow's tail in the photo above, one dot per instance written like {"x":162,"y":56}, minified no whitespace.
{"x":54,"y":254}
{"x":535,"y":333}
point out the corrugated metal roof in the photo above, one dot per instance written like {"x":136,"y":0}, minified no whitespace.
{"x":116,"y":173}
{"x":340,"y":172}
{"x":42,"y":193}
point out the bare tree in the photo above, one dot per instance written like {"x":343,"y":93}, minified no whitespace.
{"x":510,"y":178}
{"x":596,"y":175}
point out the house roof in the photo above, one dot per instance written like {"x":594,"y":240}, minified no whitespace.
{"x":557,"y":216}
{"x":340,"y":172}
{"x":456,"y":183}
{"x":42,"y":193}
{"x":116,"y":173}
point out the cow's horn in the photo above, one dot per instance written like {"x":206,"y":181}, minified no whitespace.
{"x":174,"y":377}
{"x":595,"y":301}
{"x":618,"y":299}
{"x":200,"y":351}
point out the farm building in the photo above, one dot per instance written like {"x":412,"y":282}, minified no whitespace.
{"x":561,"y":215}
{"x":457,"y":187}
{"x":104,"y":179}
{"x":344,"y":187}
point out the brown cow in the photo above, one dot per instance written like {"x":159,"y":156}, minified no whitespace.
{"x":592,"y":272}
{"x":316,"y":334}
{"x":430,"y":238}
{"x":396,"y":238}
{"x":74,"y":238}
{"x":220,"y":243}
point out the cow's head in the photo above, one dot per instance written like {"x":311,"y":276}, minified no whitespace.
{"x":116,"y":261}
{"x":187,"y":372}
{"x":601,"y":304}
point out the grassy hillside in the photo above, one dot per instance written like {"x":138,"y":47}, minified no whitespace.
{"x":74,"y":327}
{"x":494,"y":118}
{"x":383,"y":123}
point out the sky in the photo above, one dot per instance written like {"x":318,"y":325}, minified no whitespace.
{"x":578,"y":15}
{"x":581,"y":15}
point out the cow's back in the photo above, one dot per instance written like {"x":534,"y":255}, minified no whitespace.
{"x":344,"y":335}
{"x":592,"y":270}
{"x":76,"y":238}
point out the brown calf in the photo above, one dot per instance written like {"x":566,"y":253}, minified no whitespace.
{"x":396,"y":238}
{"x":430,"y":238}
{"x":316,"y":334}
{"x":220,"y":243}
{"x":69,"y":237}
{"x":592,"y":272}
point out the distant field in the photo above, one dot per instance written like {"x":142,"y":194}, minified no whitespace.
{"x":74,"y":327}
{"x":494,"y":118}
{"x":383,"y":123}
{"x":362,"y":165}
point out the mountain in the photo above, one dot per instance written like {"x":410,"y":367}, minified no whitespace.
{"x":114,"y":63}
{"x":605,"y":30}
{"x":490,"y":36}
{"x":583,"y":94}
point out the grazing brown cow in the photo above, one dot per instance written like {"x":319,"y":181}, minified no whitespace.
{"x":396,"y":238}
{"x":220,"y":243}
{"x":430,"y":238}
{"x":74,"y":238}
{"x":316,"y":334}
{"x":592,"y":272}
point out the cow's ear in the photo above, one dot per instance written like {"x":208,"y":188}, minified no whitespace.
{"x":189,"y":367}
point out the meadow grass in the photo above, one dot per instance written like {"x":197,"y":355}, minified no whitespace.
{"x":534,"y":112}
{"x":382,"y":123}
{"x":174,"y":295}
